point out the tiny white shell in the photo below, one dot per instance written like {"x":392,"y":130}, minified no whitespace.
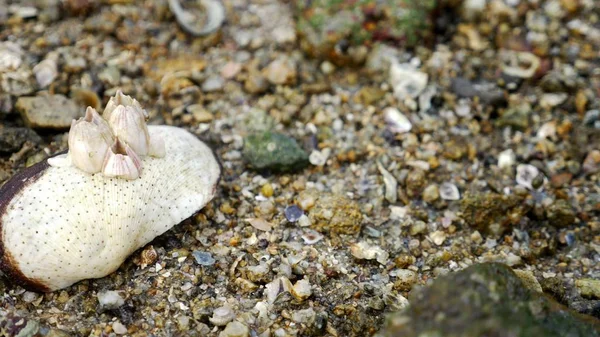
{"x":60,"y":225}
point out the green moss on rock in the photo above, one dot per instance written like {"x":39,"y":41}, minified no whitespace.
{"x":486,"y":300}
{"x":274,"y":151}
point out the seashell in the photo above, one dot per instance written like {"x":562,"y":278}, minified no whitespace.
{"x":60,"y":224}
{"x":215,"y":16}
{"x":45,"y":72}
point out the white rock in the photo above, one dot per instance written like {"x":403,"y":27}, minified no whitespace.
{"x":235,"y":329}
{"x":45,"y":72}
{"x":222,"y":315}
{"x":449,"y":191}
{"x":406,"y":81}
{"x":364,"y":251}
{"x":391,"y":185}
{"x":110,"y":299}
{"x":396,"y":121}
{"x":438,"y":237}
{"x":119,"y":328}
{"x":304,"y":316}
{"x":319,"y":158}
{"x":506,"y":159}
{"x":525,"y":175}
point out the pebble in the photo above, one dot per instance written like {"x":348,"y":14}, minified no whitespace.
{"x":391,"y":185}
{"x":396,"y":121}
{"x":506,"y":159}
{"x":213,"y":83}
{"x":311,"y":237}
{"x":449,"y":191}
{"x":273,"y":151}
{"x":438,"y":237}
{"x":319,"y":158}
{"x":405,"y":279}
{"x":48,"y":111}
{"x":222,"y":315}
{"x":591,"y":163}
{"x":119,"y":328}
{"x":203,"y":258}
{"x":281,"y":71}
{"x":293,"y":213}
{"x":260,"y":224}
{"x":230,"y":70}
{"x":45,"y":72}
{"x":110,"y":299}
{"x":11,"y":56}
{"x":526,"y":174}
{"x":364,"y":251}
{"x":588,"y":288}
{"x":406,"y":81}
{"x":13,"y":138}
{"x":592,"y":118}
{"x":304,"y":316}
{"x":256,"y":83}
{"x":431,"y":193}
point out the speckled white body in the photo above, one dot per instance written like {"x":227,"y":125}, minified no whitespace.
{"x":70,"y":225}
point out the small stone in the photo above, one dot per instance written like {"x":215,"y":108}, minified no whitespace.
{"x":391,"y":185}
{"x":529,"y":280}
{"x":327,"y":68}
{"x":431,"y":193}
{"x":506,"y":159}
{"x":13,"y":138}
{"x":29,"y":296}
{"x":230,"y":69}
{"x":110,"y":299}
{"x":119,"y":328}
{"x":560,"y":214}
{"x":396,"y":121}
{"x":406,"y":81}
{"x":293,"y":213}
{"x":222,"y":315}
{"x":591,"y":117}
{"x":235,"y":329}
{"x":200,"y":114}
{"x":449,"y":191}
{"x":213,"y":83}
{"x":11,"y":56}
{"x":256,"y":83}
{"x":588,"y":288}
{"x":45,"y":72}
{"x":526,"y":174}
{"x":311,"y":237}
{"x":203,"y":258}
{"x":417,"y":227}
{"x":260,"y":224}
{"x":281,"y":71}
{"x":319,"y":158}
{"x":305,"y":316}
{"x":591,"y":163}
{"x":301,"y":289}
{"x":273,"y":151}
{"x":267,"y":190}
{"x":48,"y":111}
{"x":405,"y":279}
{"x":335,"y":214}
{"x":438,"y":237}
{"x":364,"y":251}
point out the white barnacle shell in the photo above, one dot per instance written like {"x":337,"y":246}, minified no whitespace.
{"x":128,"y":123}
{"x":60,"y":225}
{"x":121,"y":99}
{"x":89,"y":140}
{"x":121,"y":162}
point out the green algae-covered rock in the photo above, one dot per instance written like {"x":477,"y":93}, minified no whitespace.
{"x":273,"y":151}
{"x":332,"y":28}
{"x":486,"y":300}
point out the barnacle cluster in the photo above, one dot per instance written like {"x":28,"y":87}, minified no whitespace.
{"x":113,"y":144}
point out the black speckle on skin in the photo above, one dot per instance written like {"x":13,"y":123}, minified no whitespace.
{"x":8,"y":192}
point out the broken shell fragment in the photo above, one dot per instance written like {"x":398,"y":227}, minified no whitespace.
{"x":188,"y":21}
{"x":59,"y":224}
{"x":55,"y":242}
